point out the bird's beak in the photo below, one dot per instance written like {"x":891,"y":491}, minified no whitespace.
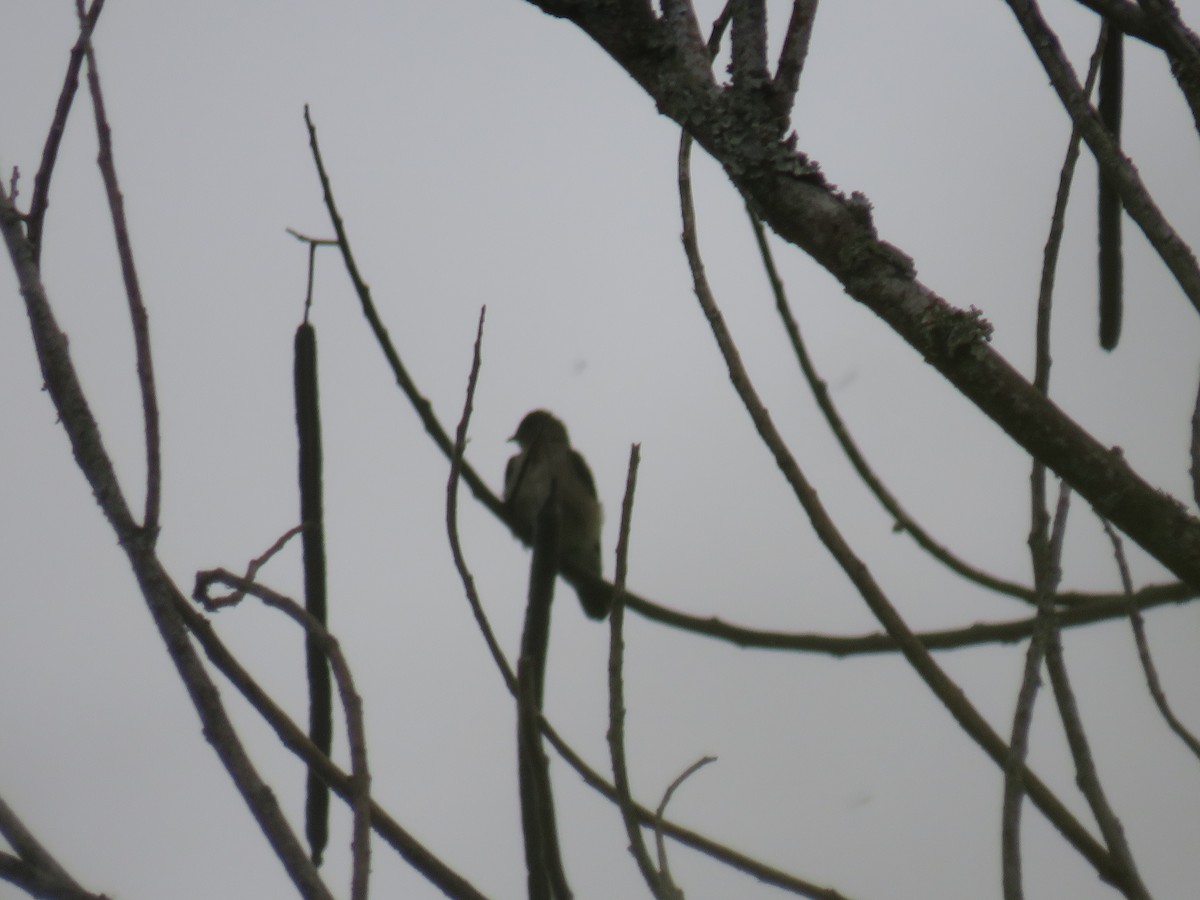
{"x":513,"y":439}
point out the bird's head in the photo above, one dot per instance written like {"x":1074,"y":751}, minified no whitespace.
{"x":539,"y":427}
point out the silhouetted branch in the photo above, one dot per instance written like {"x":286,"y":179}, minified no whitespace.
{"x":904,"y":521}
{"x":162,"y":597}
{"x":792,"y":55}
{"x":34,"y":869}
{"x":1086,"y":775}
{"x":837,"y":231}
{"x":40,"y":201}
{"x":1143,"y":646}
{"x":133,"y":292}
{"x":296,"y":740}
{"x":318,"y":635}
{"x":663,"y":865}
{"x":950,"y":695}
{"x":616,"y":695}
{"x":1118,"y":170}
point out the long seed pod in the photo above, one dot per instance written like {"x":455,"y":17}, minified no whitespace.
{"x":1112,"y":86}
{"x":320,"y":720}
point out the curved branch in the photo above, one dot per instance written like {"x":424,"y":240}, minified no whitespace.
{"x":935,"y":678}
{"x":837,"y":231}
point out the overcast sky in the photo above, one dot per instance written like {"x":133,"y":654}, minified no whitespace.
{"x":484,"y":153}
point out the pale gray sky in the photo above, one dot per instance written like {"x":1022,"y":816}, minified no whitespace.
{"x":484,"y":153}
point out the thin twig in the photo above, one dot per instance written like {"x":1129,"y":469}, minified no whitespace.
{"x":40,"y":201}
{"x":820,"y":392}
{"x":1010,"y":830}
{"x":212,"y":603}
{"x":1105,"y":608}
{"x":1182,"y":49}
{"x":316,"y":633}
{"x":40,"y":883}
{"x":1137,"y":201}
{"x":133,"y":292}
{"x":1086,"y":775}
{"x":460,"y":561}
{"x":942,"y":686}
{"x":293,"y":738}
{"x":659,"y":813}
{"x":616,"y":694}
{"x":31,"y":851}
{"x":1143,"y":647}
{"x":160,"y":593}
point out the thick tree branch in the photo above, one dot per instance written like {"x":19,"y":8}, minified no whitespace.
{"x":792,"y":197}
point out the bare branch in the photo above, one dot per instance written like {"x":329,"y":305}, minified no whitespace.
{"x":749,"y":38}
{"x":1182,"y":48}
{"x":40,"y":201}
{"x":950,"y":695}
{"x":296,"y":740}
{"x":1143,"y":646}
{"x":1046,"y":554}
{"x":904,"y":521}
{"x":319,"y":636}
{"x":1086,"y":775}
{"x":659,"y":813}
{"x":40,"y":883}
{"x":33,"y":856}
{"x":1117,"y":169}
{"x":160,"y":593}
{"x":460,"y":562}
{"x":792,"y":55}
{"x":616,"y":696}
{"x":133,"y":292}
{"x":837,"y":231}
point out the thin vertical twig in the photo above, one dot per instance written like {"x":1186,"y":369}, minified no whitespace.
{"x":133,"y":292}
{"x":456,"y":551}
{"x":616,"y":693}
{"x":1046,"y":562}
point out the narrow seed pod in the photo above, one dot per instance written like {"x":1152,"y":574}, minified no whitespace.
{"x":1112,"y":86}
{"x":320,"y":715}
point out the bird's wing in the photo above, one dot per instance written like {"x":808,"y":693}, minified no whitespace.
{"x":512,"y":475}
{"x":583,"y":472}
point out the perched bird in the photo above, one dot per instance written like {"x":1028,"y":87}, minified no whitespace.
{"x":546,"y":459}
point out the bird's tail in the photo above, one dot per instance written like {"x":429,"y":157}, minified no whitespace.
{"x":595,"y":594}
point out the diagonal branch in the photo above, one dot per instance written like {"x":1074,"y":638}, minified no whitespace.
{"x":160,"y":593}
{"x":939,"y":683}
{"x":794,"y":199}
{"x":903,"y":521}
{"x":133,"y":291}
{"x":1116,"y":168}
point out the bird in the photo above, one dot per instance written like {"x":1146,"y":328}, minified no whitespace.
{"x":546,"y":459}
